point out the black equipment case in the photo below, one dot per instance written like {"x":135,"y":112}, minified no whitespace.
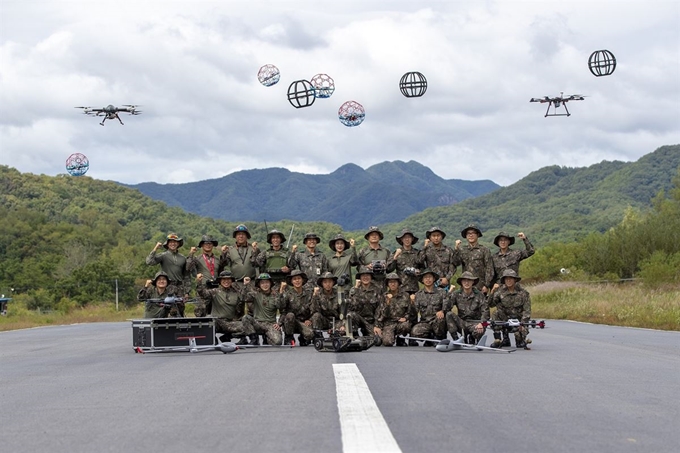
{"x":161,"y":333}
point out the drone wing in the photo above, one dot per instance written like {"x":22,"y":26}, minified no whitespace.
{"x":541,"y":100}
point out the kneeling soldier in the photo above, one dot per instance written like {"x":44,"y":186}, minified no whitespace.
{"x":225,"y":305}
{"x":295,"y":308}
{"x":430,"y":302}
{"x":325,"y":304}
{"x":263,"y":303}
{"x":511,"y":302}
{"x":364,"y":300}
{"x":397,"y":313}
{"x":472,"y":308}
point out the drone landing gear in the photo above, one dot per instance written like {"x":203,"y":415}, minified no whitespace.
{"x":547,"y":112}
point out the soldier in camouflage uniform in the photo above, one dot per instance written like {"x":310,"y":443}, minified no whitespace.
{"x":438,"y":257}
{"x":342,"y":261}
{"x":376,"y":257}
{"x":407,"y":261}
{"x":511,"y":302}
{"x":225,"y":304}
{"x":506,"y":258}
{"x":174,"y":265}
{"x":430,"y":302}
{"x":206,"y":265}
{"x":310,"y":261}
{"x":263,"y":303}
{"x":325,"y":307}
{"x":396,"y":314}
{"x":238,"y":258}
{"x":295,"y":307}
{"x":475,"y":257}
{"x":274,"y":260}
{"x":363,"y":302}
{"x":472,"y":308}
{"x":155,"y":289}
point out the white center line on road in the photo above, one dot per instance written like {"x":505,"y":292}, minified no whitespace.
{"x":363,"y":426}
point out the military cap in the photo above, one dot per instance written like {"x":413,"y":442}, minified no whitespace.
{"x":392,"y":276}
{"x":326,"y":276}
{"x":272,"y":233}
{"x":471,"y":226}
{"x":241,"y":229}
{"x":262,"y":276}
{"x":159,"y":274}
{"x":225,"y":274}
{"x":374,"y":229}
{"x":432,"y":230}
{"x":509,"y":273}
{"x":467,"y":275}
{"x":503,"y":234}
{"x":428,"y":271}
{"x":173,"y":237}
{"x":207,"y":238}
{"x":338,"y":237}
{"x":404,"y":232}
{"x":364,"y":270}
{"x":296,"y":272}
{"x":311,"y":236}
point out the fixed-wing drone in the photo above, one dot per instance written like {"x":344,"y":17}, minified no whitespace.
{"x":460,"y":345}
{"x":110,"y":111}
{"x":558,"y":101}
{"x":224,"y":347}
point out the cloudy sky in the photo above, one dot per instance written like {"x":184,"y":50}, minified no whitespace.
{"x":193,"y":65}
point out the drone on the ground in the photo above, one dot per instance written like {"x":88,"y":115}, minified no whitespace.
{"x":558,"y":101}
{"x":110,"y":111}
{"x":459,"y":345}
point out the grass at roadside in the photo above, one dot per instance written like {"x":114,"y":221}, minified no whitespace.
{"x":628,"y":304}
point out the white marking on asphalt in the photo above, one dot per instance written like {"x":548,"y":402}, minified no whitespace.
{"x":363,"y":426}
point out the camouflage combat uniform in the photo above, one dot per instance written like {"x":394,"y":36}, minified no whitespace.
{"x":272,"y":261}
{"x":207,"y":266}
{"x":440,"y":259}
{"x":313,"y":265}
{"x":476,"y":260}
{"x":511,"y":259}
{"x":389,"y":313}
{"x":261,"y":317}
{"x":428,"y":304}
{"x":407,"y":259}
{"x":295,"y":309}
{"x":472,"y":309}
{"x":511,"y":305}
{"x":227,"y":307}
{"x":325,"y":308}
{"x":367,"y":255}
{"x":362,"y":304}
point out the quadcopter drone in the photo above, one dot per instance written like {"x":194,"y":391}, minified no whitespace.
{"x":110,"y":112}
{"x":558,"y":101}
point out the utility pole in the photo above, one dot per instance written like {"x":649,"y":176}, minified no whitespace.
{"x":116,"y":294}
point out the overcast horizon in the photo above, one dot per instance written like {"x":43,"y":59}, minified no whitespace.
{"x":192,"y":66}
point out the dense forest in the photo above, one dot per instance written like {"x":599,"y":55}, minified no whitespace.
{"x":69,"y":241}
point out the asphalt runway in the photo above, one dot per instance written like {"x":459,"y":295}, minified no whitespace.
{"x":582,"y":387}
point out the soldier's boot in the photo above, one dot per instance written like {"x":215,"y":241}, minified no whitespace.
{"x":302,"y":341}
{"x":412,"y":343}
{"x":318,"y":334}
{"x":506,"y":339}
{"x":519,"y":341}
{"x":288,"y":340}
{"x":242,"y":341}
{"x":265,"y":340}
{"x":401,"y":341}
{"x":454,"y":335}
{"x":254,"y":339}
{"x":496,"y":341}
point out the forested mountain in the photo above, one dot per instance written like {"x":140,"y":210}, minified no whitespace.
{"x":558,"y":203}
{"x":350,"y":196}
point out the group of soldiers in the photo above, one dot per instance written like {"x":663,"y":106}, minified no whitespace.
{"x":277,"y":292}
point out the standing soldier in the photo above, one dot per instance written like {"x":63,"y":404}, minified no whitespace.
{"x":263,"y":303}
{"x":511,"y":302}
{"x":475,"y":257}
{"x":310,"y":261}
{"x":473,"y":309}
{"x":506,"y":258}
{"x":174,"y":265}
{"x":438,"y":257}
{"x":363,"y":303}
{"x":206,"y":265}
{"x":375,"y":256}
{"x":397,"y":313}
{"x":225,"y":305}
{"x":295,"y":307}
{"x":325,"y":307}
{"x":340,"y":264}
{"x":407,"y":261}
{"x":430,"y":302}
{"x":155,"y":289}
{"x":273,"y":261}
{"x":238,"y":258}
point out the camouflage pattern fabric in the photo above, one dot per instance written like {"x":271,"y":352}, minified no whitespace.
{"x":441,"y":260}
{"x":511,"y":259}
{"x":472,"y":309}
{"x":478,"y":261}
{"x":428,"y":304}
{"x":174,"y":264}
{"x":408,"y":258}
{"x":311,"y":264}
